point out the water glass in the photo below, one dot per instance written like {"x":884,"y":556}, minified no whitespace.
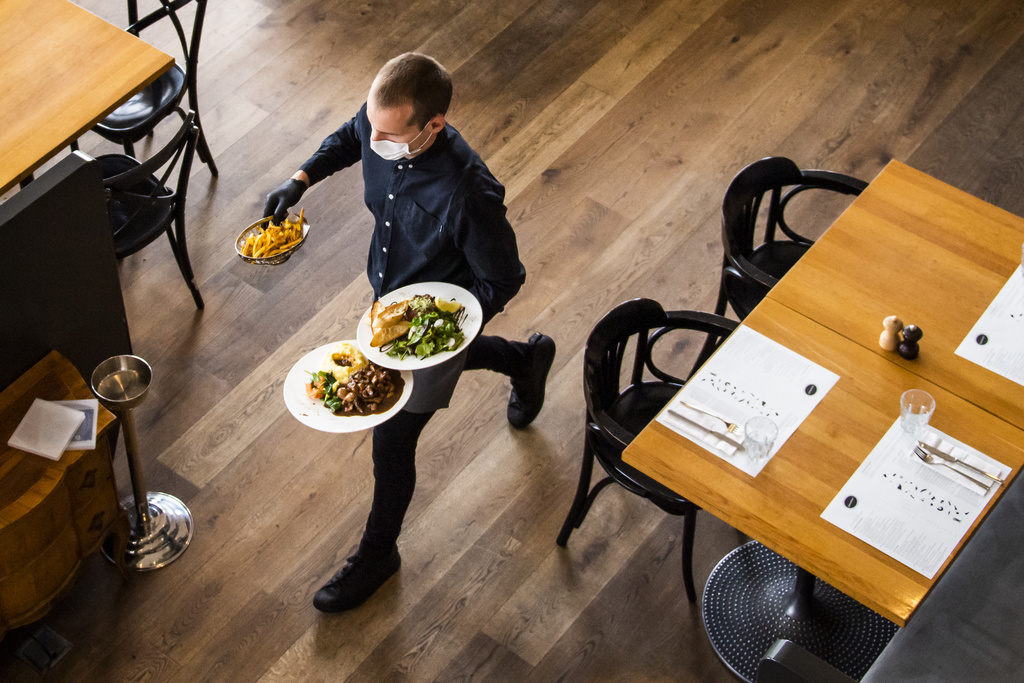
{"x":759,"y":434}
{"x":916,"y":408}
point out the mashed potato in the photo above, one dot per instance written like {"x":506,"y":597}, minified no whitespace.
{"x":342,"y":360}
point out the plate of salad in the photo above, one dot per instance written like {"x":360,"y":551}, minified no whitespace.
{"x":419,"y":325}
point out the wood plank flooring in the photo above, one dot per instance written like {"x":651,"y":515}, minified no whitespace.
{"x":616,"y":127}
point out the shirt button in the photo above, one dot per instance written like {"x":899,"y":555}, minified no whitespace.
{"x":380,"y":275}
{"x":387,"y":223}
{"x":385,"y":250}
{"x":391,"y":196}
{"x":399,"y":167}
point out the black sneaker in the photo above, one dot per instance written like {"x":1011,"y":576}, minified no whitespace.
{"x":356,"y":582}
{"x":527,"y":396}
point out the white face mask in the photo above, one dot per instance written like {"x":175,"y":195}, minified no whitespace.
{"x":393,"y":151}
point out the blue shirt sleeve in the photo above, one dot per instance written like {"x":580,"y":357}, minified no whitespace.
{"x":339,"y":150}
{"x":488,"y":243}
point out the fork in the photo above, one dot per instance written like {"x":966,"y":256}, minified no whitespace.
{"x":949,"y":458}
{"x":930,"y":459}
{"x":730,"y":427}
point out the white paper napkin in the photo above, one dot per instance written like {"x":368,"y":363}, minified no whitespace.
{"x":46,"y":429}
{"x":701,"y":428}
{"x":949,"y":446}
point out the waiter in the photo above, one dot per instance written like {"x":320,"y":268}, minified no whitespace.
{"x":439,"y":215}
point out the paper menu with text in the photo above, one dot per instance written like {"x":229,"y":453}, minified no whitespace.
{"x":996,"y":342}
{"x":750,"y":375}
{"x":911,"y":511}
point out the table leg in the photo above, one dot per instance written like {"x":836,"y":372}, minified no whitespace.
{"x":755,"y":596}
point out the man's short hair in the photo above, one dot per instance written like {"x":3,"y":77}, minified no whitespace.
{"x":417,"y":78}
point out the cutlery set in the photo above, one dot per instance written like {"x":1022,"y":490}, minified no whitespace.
{"x":734,"y":432}
{"x":933,"y":456}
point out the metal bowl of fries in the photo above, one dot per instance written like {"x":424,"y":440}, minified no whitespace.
{"x":268,"y":244}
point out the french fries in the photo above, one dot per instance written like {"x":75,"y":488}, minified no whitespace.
{"x":274,"y":239}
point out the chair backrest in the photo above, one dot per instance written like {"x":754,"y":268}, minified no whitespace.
{"x":642,"y":323}
{"x":169,"y":9}
{"x":771,"y":176}
{"x":135,"y":189}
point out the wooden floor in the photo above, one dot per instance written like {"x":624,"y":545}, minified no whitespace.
{"x":615,"y":127}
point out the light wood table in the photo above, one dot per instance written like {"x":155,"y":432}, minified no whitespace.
{"x":782,"y":506}
{"x":910,"y":246}
{"x":62,"y":69}
{"x":914,"y":247}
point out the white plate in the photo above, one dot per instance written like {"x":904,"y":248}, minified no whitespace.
{"x":312,"y":412}
{"x":470,"y":326}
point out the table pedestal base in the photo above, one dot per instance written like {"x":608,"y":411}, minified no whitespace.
{"x":751,"y":600}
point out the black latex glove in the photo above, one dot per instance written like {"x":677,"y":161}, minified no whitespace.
{"x":284,"y":197}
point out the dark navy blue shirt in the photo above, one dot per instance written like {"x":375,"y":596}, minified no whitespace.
{"x":439,"y":216}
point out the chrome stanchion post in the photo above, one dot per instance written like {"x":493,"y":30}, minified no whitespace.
{"x":162,"y":525}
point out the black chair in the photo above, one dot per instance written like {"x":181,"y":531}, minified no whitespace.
{"x":137,"y":117}
{"x":142,"y":205}
{"x":616,"y":415}
{"x":749,"y":270}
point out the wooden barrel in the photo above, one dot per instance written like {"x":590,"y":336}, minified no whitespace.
{"x":52,"y":513}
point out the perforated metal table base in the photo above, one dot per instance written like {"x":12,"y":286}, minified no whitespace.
{"x":745,"y":610}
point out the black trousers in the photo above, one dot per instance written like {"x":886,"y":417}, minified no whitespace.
{"x":394,"y":449}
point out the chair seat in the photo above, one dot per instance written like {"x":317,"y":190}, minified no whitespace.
{"x":639,"y":404}
{"x":137,"y":116}
{"x":144,"y":228}
{"x":773,"y":258}
{"x":634,"y":409}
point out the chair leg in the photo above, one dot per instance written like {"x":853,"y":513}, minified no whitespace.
{"x":689,"y":528}
{"x":129,"y":149}
{"x":180,"y":251}
{"x":203,"y":150}
{"x":579,"y":504}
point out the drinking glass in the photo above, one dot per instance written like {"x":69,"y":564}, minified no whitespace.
{"x":916,"y":408}
{"x":759,"y":434}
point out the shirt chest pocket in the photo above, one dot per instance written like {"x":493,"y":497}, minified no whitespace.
{"x":419,"y":230}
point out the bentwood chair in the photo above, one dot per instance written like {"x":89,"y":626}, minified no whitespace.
{"x":142,"y":205}
{"x":140,"y":115}
{"x":616,"y":414}
{"x":750,"y":270}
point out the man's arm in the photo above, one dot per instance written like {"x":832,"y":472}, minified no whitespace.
{"x":489,"y":244}
{"x":339,"y":150}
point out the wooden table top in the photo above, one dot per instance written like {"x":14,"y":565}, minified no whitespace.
{"x":909,"y":246}
{"x":928,"y":253}
{"x":62,"y":69}
{"x":782,"y":506}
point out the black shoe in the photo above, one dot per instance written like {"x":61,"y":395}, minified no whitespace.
{"x":528,"y":389}
{"x":356,"y":582}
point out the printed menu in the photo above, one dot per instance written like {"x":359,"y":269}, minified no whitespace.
{"x":996,"y":342}
{"x":749,"y":375}
{"x":914,"y":512}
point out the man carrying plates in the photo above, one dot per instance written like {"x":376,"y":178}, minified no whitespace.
{"x":439,"y":215}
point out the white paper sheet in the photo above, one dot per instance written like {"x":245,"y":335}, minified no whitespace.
{"x":996,"y":342}
{"x":46,"y":429}
{"x":751,"y":375}
{"x":914,"y":512}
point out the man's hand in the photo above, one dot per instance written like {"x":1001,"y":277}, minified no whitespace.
{"x":283,"y":198}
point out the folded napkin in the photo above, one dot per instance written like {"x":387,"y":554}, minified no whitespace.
{"x":974,"y":459}
{"x":702,"y":429}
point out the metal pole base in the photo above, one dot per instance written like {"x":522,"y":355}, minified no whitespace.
{"x":170,"y":531}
